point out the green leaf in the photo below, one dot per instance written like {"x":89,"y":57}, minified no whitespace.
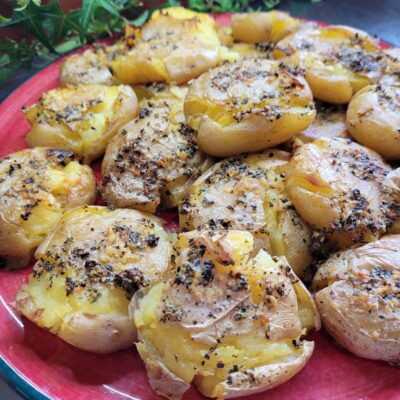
{"x":89,"y":8}
{"x":4,"y":19}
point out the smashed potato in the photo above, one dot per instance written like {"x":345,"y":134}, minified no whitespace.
{"x":174,"y":46}
{"x":338,"y":60}
{"x":330,"y":121}
{"x":339,"y":187}
{"x":248,"y":193}
{"x":248,"y":106}
{"x":36,"y":187}
{"x":82,"y":119}
{"x":154,"y":159}
{"x":392,"y":70}
{"x":88,"y":268}
{"x":257,"y":27}
{"x":226,"y":320}
{"x":358,"y":296}
{"x":373,"y":119}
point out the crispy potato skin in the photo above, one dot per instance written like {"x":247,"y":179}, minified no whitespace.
{"x":339,"y":187}
{"x":330,"y":121}
{"x":358,"y":299}
{"x":36,"y":187}
{"x":248,"y":193}
{"x":220,"y":325}
{"x":260,"y":27}
{"x":81,"y":119}
{"x":373,"y":119}
{"x":88,"y":267}
{"x":338,"y":60}
{"x":247,"y":106}
{"x":154,"y":159}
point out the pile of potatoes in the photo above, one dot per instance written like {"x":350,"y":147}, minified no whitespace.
{"x":278,"y":143}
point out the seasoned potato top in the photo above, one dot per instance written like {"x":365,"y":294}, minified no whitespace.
{"x":223,"y":312}
{"x":361,"y":286}
{"x":154,"y":158}
{"x":339,"y":187}
{"x":36,"y":186}
{"x":248,"y":193}
{"x":334,"y":51}
{"x":93,"y":247}
{"x":392,"y":71}
{"x":83,"y":113}
{"x":237,"y":91}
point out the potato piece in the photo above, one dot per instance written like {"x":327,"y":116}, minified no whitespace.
{"x":174,"y":46}
{"x":82,"y":119}
{"x":338,"y":60}
{"x":373,"y":119}
{"x":248,"y":193}
{"x":36,"y":187}
{"x":339,"y":188}
{"x":358,"y":298}
{"x":224,"y":319}
{"x":247,"y":106}
{"x":90,"y":67}
{"x":392,"y":70}
{"x":329,"y":122}
{"x":88,"y":268}
{"x":154,"y":159}
{"x":256,"y":27}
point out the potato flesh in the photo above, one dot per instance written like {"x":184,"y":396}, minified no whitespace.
{"x":191,"y":358}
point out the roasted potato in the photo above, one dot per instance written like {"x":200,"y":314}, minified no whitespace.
{"x":373,"y":119}
{"x":330,"y":121}
{"x":248,"y":193}
{"x":174,"y":46}
{"x":154,"y":159}
{"x":88,"y":268}
{"x":392,"y":70}
{"x":36,"y":187}
{"x":229,"y":321}
{"x":358,"y":296}
{"x":91,"y":67}
{"x":247,"y":106}
{"x":257,"y":27}
{"x":338,"y":60}
{"x":82,"y":119}
{"x":339,"y":187}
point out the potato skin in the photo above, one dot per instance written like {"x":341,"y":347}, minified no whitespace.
{"x":357,"y":297}
{"x":338,"y":60}
{"x":373,"y":119}
{"x":36,"y":186}
{"x":340,"y":188}
{"x":247,"y":106}
{"x":88,"y":267}
{"x":154,"y":170}
{"x":81,"y":119}
{"x":220,"y":325}
{"x":248,"y":193}
{"x":257,"y":27}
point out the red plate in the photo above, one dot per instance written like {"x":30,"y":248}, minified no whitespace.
{"x":42,"y":366}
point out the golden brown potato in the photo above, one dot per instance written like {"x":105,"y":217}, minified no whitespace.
{"x":338,"y":60}
{"x":82,"y":119}
{"x":329,"y":122}
{"x":175,"y":45}
{"x":36,"y":187}
{"x":88,"y":268}
{"x":248,"y":193}
{"x":154,"y":159}
{"x":226,"y":319}
{"x":373,"y":119}
{"x":257,"y":27}
{"x":392,"y":70}
{"x":92,"y":66}
{"x":339,"y":187}
{"x":358,"y":298}
{"x":247,"y":106}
